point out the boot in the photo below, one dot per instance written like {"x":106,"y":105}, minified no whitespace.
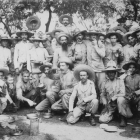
{"x":92,"y":120}
{"x":123,"y":122}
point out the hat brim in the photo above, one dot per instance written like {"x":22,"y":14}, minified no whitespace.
{"x":83,"y":67}
{"x":44,"y":66}
{"x":36,"y":39}
{"x":126,"y":66}
{"x":80,"y":32}
{"x":119,"y":28}
{"x":5,"y":71}
{"x":64,"y":60}
{"x":60,"y":35}
{"x":119,"y":36}
{"x":7,"y":39}
{"x":28,"y":33}
{"x":106,"y":70}
{"x":54,"y":31}
{"x":66,"y":16}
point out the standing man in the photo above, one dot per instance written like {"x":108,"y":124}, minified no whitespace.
{"x":66,"y":22}
{"x":63,"y":51}
{"x":67,"y":83}
{"x":86,"y":94}
{"x":113,"y":96}
{"x":21,"y":50}
{"x":79,"y":48}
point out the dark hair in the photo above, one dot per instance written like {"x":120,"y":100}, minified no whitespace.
{"x":25,"y":71}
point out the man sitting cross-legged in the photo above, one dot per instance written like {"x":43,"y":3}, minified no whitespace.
{"x":86,"y":94}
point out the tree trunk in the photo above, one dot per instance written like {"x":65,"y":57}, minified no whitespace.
{"x":49,"y":19}
{"x":133,"y":2}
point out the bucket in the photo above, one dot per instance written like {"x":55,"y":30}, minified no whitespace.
{"x":34,"y":127}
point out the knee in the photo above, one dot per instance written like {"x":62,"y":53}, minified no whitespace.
{"x":37,"y":108}
{"x":95,"y":101}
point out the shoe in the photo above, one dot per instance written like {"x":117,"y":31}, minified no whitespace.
{"x":92,"y":120}
{"x":48,"y":115}
{"x":123,"y":122}
{"x":64,"y":118}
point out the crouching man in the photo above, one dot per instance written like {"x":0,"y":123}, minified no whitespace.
{"x":25,"y":89}
{"x":86,"y":94}
{"x":113,"y":96}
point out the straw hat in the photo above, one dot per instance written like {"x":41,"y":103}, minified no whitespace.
{"x":77,"y":32}
{"x":131,"y":62}
{"x":126,"y":36}
{"x":5,"y":37}
{"x":24,"y":31}
{"x":36,"y":38}
{"x":119,"y":28}
{"x":65,"y":16}
{"x":54,"y":31}
{"x":83,"y":67}
{"x":111,"y":66}
{"x":62,"y":35}
{"x":47,"y":64}
{"x":119,"y":36}
{"x":67,"y":61}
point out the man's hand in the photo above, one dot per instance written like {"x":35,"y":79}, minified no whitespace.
{"x":31,"y":103}
{"x":61,"y":93}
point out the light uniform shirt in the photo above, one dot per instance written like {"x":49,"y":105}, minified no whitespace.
{"x":111,"y":88}
{"x":95,"y":57}
{"x":136,"y":48}
{"x":5,"y":57}
{"x":36,"y":54}
{"x":83,"y":92}
{"x":20,"y":53}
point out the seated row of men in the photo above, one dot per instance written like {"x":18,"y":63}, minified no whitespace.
{"x":75,"y":91}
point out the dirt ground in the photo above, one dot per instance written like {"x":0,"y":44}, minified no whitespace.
{"x":53,"y":129}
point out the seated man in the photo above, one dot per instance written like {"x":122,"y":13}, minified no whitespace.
{"x":48,"y":87}
{"x":67,"y":82}
{"x":25,"y":89}
{"x":113,"y":96}
{"x":86,"y":94}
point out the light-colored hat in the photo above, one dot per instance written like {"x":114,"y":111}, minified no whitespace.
{"x":62,"y":35}
{"x":36,"y":37}
{"x":83,"y":67}
{"x":5,"y":37}
{"x":67,"y":61}
{"x":15,"y":37}
{"x":111,"y":66}
{"x":65,"y":16}
{"x":5,"y":71}
{"x":24,"y":31}
{"x":77,"y":32}
{"x":47,"y":64}
{"x":56,"y":30}
{"x":119,"y":28}
{"x":126,"y":36}
{"x":131,"y":62}
{"x":119,"y":36}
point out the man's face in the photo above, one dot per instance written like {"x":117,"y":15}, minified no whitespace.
{"x":83,"y":76}
{"x":10,"y":80}
{"x":5,"y":43}
{"x":36,"y":43}
{"x":138,"y":35}
{"x":102,"y":39}
{"x":1,"y":75}
{"x":63,"y":67}
{"x":46,"y":70}
{"x":79,"y":37}
{"x":65,"y":21}
{"x":63,"y":40}
{"x":93,"y":37}
{"x":113,"y":39}
{"x":24,"y":36}
{"x":131,"y":40}
{"x":132,"y":69}
{"x":25,"y":77}
{"x":111,"y":75}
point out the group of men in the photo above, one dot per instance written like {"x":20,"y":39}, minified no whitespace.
{"x":72,"y":71}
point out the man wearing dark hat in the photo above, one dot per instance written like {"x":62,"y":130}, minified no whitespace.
{"x":21,"y":50}
{"x":48,"y":87}
{"x":66,"y":22}
{"x":63,"y":51}
{"x":132,"y":86}
{"x":86,"y":94}
{"x":79,"y":48}
{"x":113,"y":96}
{"x":114,"y":50}
{"x":5,"y":53}
{"x":67,"y":83}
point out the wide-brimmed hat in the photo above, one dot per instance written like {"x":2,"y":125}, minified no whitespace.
{"x":111,"y":66}
{"x":126,"y":36}
{"x":121,"y":20}
{"x":46,"y":64}
{"x":119,"y":36}
{"x":65,"y":16}
{"x":5,"y":37}
{"x":119,"y":28}
{"x":15,"y":37}
{"x":83,"y":67}
{"x":36,"y":38}
{"x":127,"y":64}
{"x":62,"y":35}
{"x":24,"y":31}
{"x":54,"y":31}
{"x":5,"y":71}
{"x":77,"y":31}
{"x":67,"y":61}
{"x":136,"y":31}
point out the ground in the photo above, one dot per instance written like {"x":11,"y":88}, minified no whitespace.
{"x":53,"y":129}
